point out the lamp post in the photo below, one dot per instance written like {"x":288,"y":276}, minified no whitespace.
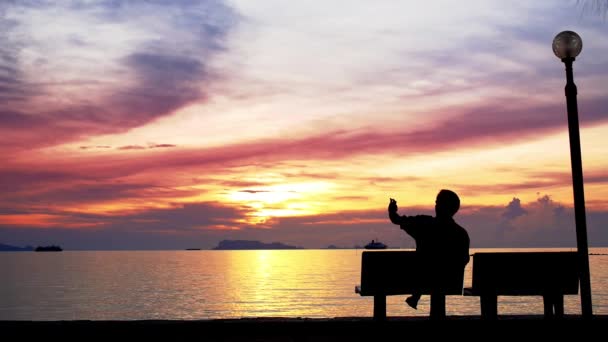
{"x":566,"y":46}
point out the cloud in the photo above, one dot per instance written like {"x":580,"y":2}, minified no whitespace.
{"x":149,"y":146}
{"x":74,"y":193}
{"x":161,"y":145}
{"x":479,"y":126}
{"x":164,"y":67}
{"x":513,"y":210}
{"x":542,"y":223}
{"x":163,"y":83}
{"x":351,"y":198}
{"x":233,"y":183}
{"x":545,"y":223}
{"x":12,"y":86}
{"x":179,"y":226}
{"x":16,"y":180}
{"x":535,"y":180}
{"x":594,"y":7}
{"x":95,"y":147}
{"x":131,"y":147}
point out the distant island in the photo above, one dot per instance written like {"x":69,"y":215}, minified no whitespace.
{"x":48,"y":249}
{"x":9,"y":248}
{"x":250,"y":244}
{"x":337,"y":247}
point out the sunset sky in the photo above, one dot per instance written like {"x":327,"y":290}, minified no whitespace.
{"x":174,"y":124}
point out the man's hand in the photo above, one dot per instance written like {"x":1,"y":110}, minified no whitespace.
{"x":392,"y":207}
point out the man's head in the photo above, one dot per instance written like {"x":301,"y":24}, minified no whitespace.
{"x":447,"y":203}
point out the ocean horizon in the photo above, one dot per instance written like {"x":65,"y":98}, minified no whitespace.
{"x":214,"y":284}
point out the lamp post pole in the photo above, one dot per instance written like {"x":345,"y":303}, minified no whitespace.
{"x":567,"y":45}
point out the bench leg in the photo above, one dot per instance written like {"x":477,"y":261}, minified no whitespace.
{"x":559,"y":306}
{"x":437,"y":306}
{"x":489,"y":306}
{"x":548,"y":304}
{"x":379,"y":307}
{"x":554,"y":306}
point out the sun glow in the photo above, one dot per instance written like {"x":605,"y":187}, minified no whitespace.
{"x":280,"y":200}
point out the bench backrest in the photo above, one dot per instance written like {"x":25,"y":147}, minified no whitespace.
{"x":395,"y":273}
{"x":525,"y":273}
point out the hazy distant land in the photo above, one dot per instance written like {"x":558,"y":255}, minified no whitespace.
{"x":222,"y":245}
{"x":9,"y":248}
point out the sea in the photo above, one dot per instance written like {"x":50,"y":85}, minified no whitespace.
{"x":205,"y":284}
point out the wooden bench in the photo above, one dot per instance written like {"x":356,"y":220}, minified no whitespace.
{"x":386,"y":273}
{"x":547,"y":274}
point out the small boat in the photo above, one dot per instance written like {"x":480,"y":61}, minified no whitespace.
{"x":48,"y":249}
{"x":375,"y":245}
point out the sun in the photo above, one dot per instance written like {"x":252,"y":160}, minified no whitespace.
{"x":280,"y":200}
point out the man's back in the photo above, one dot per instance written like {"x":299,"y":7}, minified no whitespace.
{"x":443,"y":245}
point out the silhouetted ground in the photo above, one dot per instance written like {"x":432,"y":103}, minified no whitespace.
{"x":458,"y":328}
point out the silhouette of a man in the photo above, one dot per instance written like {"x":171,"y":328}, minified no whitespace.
{"x":442,"y":247}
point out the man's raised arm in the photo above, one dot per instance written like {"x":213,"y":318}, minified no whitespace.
{"x":392,"y":213}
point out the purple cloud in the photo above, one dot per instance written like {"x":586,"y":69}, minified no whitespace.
{"x":513,"y":209}
{"x":94,"y":147}
{"x":163,"y":78}
{"x":131,"y":147}
{"x":488,"y":125}
{"x":161,"y":145}
{"x":180,"y":226}
{"x":139,"y":147}
{"x":71,"y":193}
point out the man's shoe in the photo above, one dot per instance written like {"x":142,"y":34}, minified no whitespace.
{"x":411,"y":301}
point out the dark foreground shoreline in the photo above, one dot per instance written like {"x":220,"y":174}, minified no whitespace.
{"x":572,"y":327}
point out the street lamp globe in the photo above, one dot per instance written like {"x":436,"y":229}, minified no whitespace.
{"x":567,"y":44}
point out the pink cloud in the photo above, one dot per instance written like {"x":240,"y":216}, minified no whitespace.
{"x":122,"y":87}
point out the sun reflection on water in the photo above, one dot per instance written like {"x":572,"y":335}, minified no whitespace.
{"x":221,"y":284}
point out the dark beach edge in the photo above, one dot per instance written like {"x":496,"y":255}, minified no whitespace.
{"x":317,"y":329}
